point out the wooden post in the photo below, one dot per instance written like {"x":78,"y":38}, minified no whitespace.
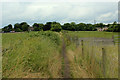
{"x":82,"y":48}
{"x":104,"y":62}
{"x":77,"y":42}
{"x":113,"y":39}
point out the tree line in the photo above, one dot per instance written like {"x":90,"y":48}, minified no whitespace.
{"x":56,"y":26}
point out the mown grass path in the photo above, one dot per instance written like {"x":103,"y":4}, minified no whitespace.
{"x":66,"y":71}
{"x":66,"y":65}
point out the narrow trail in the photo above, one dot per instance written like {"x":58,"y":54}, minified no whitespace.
{"x":66,"y":71}
{"x":81,"y":73}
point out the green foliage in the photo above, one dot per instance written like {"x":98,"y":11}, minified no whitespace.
{"x":24,"y":26}
{"x":56,"y":27}
{"x":50,"y":35}
{"x":81,"y":26}
{"x":7,"y":28}
{"x":38,"y":27}
{"x":21,"y":27}
{"x":90,"y":27}
{"x":47,"y":26}
{"x":18,"y":30}
{"x":78,"y":27}
{"x":100,"y":25}
{"x":17,"y":27}
{"x":66,"y":26}
{"x":114,"y":28}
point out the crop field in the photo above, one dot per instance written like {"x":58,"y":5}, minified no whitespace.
{"x":66,"y":54}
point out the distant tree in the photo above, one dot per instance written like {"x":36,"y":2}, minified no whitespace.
{"x":23,"y":23}
{"x":47,"y":26}
{"x":118,"y":29}
{"x":18,"y":30}
{"x":70,"y":26}
{"x":41,"y":26}
{"x":73,"y":26}
{"x":114,"y":27}
{"x":81,"y":26}
{"x":66,"y":26}
{"x":24,"y":26}
{"x":90,"y":27}
{"x":7,"y":28}
{"x":55,"y":26}
{"x":17,"y":27}
{"x":101,"y":25}
{"x":10,"y":27}
{"x":38,"y":27}
{"x":114,"y":23}
{"x":21,"y":27}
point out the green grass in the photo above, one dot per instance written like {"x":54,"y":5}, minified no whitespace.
{"x":34,"y":54}
{"x":90,"y":60}
{"x":38,"y":55}
{"x":96,"y":34}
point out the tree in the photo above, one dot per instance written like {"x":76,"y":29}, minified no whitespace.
{"x":55,"y":26}
{"x":114,"y":23}
{"x":18,"y":30}
{"x":90,"y":27}
{"x":69,"y":26}
{"x":7,"y":28}
{"x":21,"y":27}
{"x":47,"y":26}
{"x":24,"y":26}
{"x":66,"y":26}
{"x":17,"y":27}
{"x":41,"y":26}
{"x":114,"y":27}
{"x":81,"y":26}
{"x":101,"y":25}
{"x":73,"y":26}
{"x":38,"y":27}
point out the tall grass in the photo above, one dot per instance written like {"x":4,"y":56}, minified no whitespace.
{"x":87,"y":59}
{"x":32,"y":55}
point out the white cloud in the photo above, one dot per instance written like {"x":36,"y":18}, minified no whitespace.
{"x":53,"y":11}
{"x":108,"y":17}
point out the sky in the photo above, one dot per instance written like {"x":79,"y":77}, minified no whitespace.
{"x":63,"y":12}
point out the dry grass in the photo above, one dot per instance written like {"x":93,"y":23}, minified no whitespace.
{"x":77,"y":71}
{"x":91,"y":60}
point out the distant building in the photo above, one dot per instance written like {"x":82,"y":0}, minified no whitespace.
{"x":102,"y":29}
{"x":105,"y":28}
{"x":12,"y":31}
{"x":30,"y":29}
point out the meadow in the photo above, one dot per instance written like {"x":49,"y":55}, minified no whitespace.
{"x":34,"y":55}
{"x":39,"y":54}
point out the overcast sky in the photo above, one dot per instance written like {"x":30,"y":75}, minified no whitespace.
{"x":42,"y":12}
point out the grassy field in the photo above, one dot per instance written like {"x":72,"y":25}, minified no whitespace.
{"x":34,"y":54}
{"x":82,"y":34}
{"x":38,"y":55}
